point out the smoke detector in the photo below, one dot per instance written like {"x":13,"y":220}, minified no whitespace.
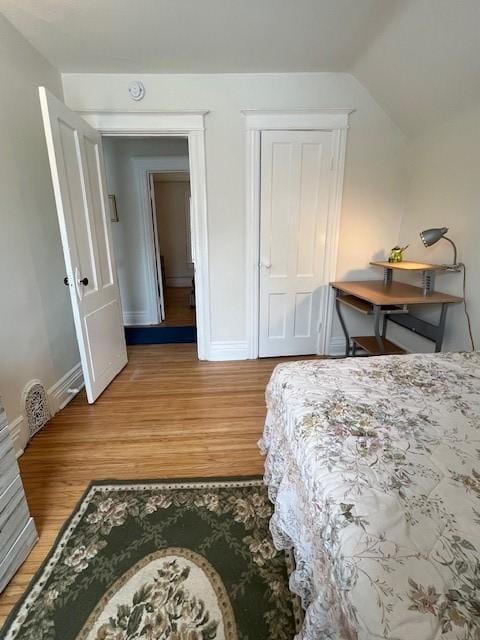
{"x":136,"y":90}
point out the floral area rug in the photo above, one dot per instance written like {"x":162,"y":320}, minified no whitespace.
{"x":162,"y":561}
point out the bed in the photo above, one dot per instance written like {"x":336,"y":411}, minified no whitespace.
{"x":373,"y":465}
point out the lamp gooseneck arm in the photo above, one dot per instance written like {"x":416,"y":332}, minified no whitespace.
{"x":454,"y":249}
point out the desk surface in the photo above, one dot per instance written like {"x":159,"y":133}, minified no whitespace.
{"x":407,"y":265}
{"x":395,"y":293}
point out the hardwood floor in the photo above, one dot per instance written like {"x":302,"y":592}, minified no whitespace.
{"x":178,"y":312}
{"x":166,"y":415}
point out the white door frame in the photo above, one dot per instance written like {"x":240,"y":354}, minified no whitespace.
{"x":142,"y":167}
{"x":334,"y":120}
{"x":191,"y":125}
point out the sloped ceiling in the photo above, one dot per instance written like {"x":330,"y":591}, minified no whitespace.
{"x":424,"y":66}
{"x":420,"y":59}
{"x":190,"y":36}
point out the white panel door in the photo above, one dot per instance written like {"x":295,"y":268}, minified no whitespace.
{"x":76,"y":163}
{"x":294,"y":203}
{"x":156,"y":244}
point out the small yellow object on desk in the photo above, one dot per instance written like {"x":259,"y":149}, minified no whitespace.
{"x":396,"y":254}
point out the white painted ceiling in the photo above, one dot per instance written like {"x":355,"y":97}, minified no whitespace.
{"x":190,"y":36}
{"x":419,"y":58}
{"x":424,"y":66}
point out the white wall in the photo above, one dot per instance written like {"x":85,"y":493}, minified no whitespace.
{"x":374,"y":178}
{"x":445,"y":191}
{"x":172,"y":202}
{"x":37,"y":337}
{"x":128,"y":233}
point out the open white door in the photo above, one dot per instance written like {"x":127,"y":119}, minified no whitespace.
{"x":158,"y":262}
{"x":76,"y":163}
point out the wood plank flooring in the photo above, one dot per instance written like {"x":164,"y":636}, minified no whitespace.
{"x":166,"y":415}
{"x":178,"y":312}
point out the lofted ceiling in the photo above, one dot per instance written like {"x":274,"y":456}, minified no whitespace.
{"x":198,"y":36}
{"x":420,"y":59}
{"x":424,"y":66}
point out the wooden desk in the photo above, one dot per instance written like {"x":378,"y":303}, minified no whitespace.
{"x":408,"y":265}
{"x":390,"y":301}
{"x":427,"y":270}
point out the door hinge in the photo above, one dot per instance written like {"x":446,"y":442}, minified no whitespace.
{"x":332,"y":163}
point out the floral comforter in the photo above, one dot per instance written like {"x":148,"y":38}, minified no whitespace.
{"x":373,"y":466}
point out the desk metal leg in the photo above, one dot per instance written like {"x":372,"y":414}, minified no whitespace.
{"x":377,"y":315}
{"x":420,"y":327}
{"x":441,"y":328}
{"x":338,"y":306}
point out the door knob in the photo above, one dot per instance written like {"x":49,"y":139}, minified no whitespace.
{"x":266,"y":264}
{"x":84,"y":281}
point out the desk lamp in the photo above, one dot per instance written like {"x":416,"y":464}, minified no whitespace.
{"x":432,"y":236}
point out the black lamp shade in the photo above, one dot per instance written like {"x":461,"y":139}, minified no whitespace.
{"x":431,"y":236}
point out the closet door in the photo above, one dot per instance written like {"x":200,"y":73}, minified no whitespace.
{"x":294,"y":203}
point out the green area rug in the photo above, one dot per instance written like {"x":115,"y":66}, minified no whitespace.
{"x":162,"y":561}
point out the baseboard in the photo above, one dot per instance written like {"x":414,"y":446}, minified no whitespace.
{"x":18,"y":432}
{"x":65,"y":389}
{"x":58,"y":396}
{"x":182,"y":281}
{"x":337,"y":346}
{"x":234,"y":350}
{"x":132,"y":318}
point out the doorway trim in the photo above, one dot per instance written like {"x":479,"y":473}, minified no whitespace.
{"x":143,"y":165}
{"x":180,"y":124}
{"x":333,"y":120}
